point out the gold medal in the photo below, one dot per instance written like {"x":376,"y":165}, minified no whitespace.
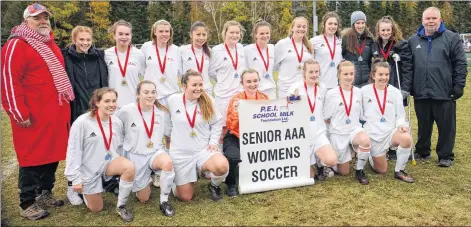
{"x":162,"y":79}
{"x":193,"y":134}
{"x":300,"y":67}
{"x":150,"y":144}
{"x":124,"y":82}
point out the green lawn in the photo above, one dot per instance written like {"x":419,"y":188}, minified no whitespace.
{"x":439,"y":197}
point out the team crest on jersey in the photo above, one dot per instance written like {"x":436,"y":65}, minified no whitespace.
{"x":149,"y":58}
{"x":92,"y":134}
{"x":133,"y":125}
{"x":189,"y":59}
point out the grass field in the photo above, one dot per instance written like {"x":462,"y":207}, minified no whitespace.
{"x":440,"y":196}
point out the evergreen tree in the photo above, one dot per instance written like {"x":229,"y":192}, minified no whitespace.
{"x":134,"y":12}
{"x":12,"y":15}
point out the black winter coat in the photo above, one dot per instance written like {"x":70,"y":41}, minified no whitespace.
{"x":362,"y":68}
{"x":87,"y":72}
{"x":402,"y":49}
{"x":439,"y":64}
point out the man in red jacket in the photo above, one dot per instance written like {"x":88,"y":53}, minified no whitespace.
{"x":36,"y":93}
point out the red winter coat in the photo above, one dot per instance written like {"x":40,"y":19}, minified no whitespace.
{"x":28,"y":92}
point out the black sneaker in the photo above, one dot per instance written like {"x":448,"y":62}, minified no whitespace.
{"x":361,"y":177}
{"x":403,"y":176}
{"x":231,"y":191}
{"x":319,"y":174}
{"x":419,"y":157}
{"x":124,"y":213}
{"x":215,"y":192}
{"x":46,"y":200}
{"x":167,"y":209}
{"x":445,"y":163}
{"x":391,"y":155}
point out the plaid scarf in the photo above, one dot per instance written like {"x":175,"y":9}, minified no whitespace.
{"x":59,"y":76}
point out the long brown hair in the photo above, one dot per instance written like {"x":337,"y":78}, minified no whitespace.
{"x":328,"y":16}
{"x":396,"y":33}
{"x":199,"y":24}
{"x":156,"y":103}
{"x":350,"y":37}
{"x":154,"y":26}
{"x":97,"y":97}
{"x":259,"y":23}
{"x":305,"y":39}
{"x":375,"y":63}
{"x":204,"y":101}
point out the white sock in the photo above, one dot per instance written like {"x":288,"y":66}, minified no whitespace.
{"x":124,"y":191}
{"x":362,"y":158}
{"x":372,"y":163}
{"x":217,"y":180}
{"x":166,"y":182}
{"x":174,"y":189}
{"x":402,"y":158}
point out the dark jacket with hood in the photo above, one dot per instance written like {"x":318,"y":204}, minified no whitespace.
{"x":362,"y":68}
{"x":439,"y":64}
{"x":404,"y":64}
{"x":87,"y":72}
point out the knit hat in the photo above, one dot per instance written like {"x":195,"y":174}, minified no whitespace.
{"x":356,"y":16}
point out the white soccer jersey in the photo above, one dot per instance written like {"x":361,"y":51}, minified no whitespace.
{"x":334,"y":109}
{"x":86,"y":150}
{"x":394,"y":113}
{"x":318,"y":126}
{"x":206,"y":132}
{"x":134,"y":73}
{"x":255,"y":61}
{"x":222,"y":70}
{"x":188,"y":61}
{"x":286,"y":62}
{"x":167,"y":83}
{"x":322,"y":55}
{"x":135,"y":134}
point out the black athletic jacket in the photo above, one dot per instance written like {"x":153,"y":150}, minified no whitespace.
{"x":362,"y":68}
{"x":439,"y":64}
{"x":87,"y":72}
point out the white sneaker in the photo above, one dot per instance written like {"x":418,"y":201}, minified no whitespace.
{"x":156,"y":180}
{"x":73,"y":196}
{"x":328,"y":172}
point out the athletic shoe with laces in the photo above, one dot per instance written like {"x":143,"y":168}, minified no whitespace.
{"x":34,"y":212}
{"x":419,"y":157}
{"x":215,"y":192}
{"x":361,"y":177}
{"x":46,"y":199}
{"x":403,"y":176}
{"x":328,"y":172}
{"x":124,"y":213}
{"x":167,"y":209}
{"x":231,"y":191}
{"x":445,"y":162}
{"x":319,"y":174}
{"x":73,"y":196}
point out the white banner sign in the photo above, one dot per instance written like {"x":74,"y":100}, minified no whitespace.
{"x":274,"y":145}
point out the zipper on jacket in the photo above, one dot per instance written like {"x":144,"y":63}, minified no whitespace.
{"x":85,"y":66}
{"x":429,"y":48}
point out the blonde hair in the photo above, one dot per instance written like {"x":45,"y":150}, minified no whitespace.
{"x":259,"y":23}
{"x":154,"y":26}
{"x":156,"y":103}
{"x":249,"y":70}
{"x":97,"y":97}
{"x":310,"y":61}
{"x":204,"y":101}
{"x":232,"y":23}
{"x":328,"y":16}
{"x":77,"y":30}
{"x":396,"y":33}
{"x":305,"y":40}
{"x":344,"y":63}
{"x":112,"y":29}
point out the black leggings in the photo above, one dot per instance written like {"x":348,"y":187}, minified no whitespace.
{"x":32,"y":180}
{"x":231,"y":149}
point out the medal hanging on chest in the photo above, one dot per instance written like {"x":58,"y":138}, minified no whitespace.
{"x":266,"y":63}
{"x":123,"y":69}
{"x":234,"y":63}
{"x":382,"y":108}
{"x":191,"y":121}
{"x":163,"y":65}
{"x":360,"y":50}
{"x":299,"y":56}
{"x":107,"y":142}
{"x":150,"y":131}
{"x":332,"y":52}
{"x":312,"y":106}
{"x":349,"y":108}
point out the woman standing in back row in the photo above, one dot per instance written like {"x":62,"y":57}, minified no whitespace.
{"x":328,"y":49}
{"x":260,"y":56}
{"x":196,"y":55}
{"x":356,"y":47}
{"x":290,"y":55}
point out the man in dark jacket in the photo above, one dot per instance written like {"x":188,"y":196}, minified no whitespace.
{"x":439,"y":78}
